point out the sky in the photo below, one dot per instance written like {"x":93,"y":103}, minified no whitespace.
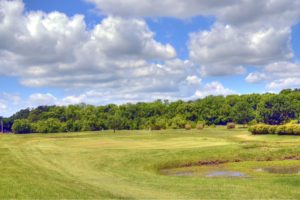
{"x":61,"y":52}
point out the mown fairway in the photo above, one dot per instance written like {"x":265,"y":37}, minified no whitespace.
{"x":126,"y":165}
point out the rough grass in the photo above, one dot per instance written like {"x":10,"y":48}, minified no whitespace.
{"x":126,"y":165}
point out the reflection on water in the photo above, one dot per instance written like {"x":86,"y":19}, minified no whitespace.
{"x":215,"y":173}
{"x":281,"y":170}
{"x":226,"y":174}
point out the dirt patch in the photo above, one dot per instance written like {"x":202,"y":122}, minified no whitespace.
{"x":295,"y":157}
{"x":208,"y":163}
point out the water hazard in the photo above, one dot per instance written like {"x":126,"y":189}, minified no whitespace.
{"x":207,"y":173}
{"x":281,"y":170}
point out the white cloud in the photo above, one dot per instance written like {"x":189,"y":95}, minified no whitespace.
{"x":291,"y":82}
{"x":118,"y":54}
{"x":226,"y":50}
{"x":245,"y":33}
{"x":9,"y":102}
{"x":256,"y":77}
{"x":193,"y":80}
{"x":42,"y":99}
{"x":277,"y":76}
{"x":231,"y":11}
{"x":213,"y":88}
{"x":158,"y":8}
{"x":3,"y":106}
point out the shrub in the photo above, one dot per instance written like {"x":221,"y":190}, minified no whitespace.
{"x":259,"y":129}
{"x":287,"y":129}
{"x":188,"y":127}
{"x":200,"y":126}
{"x":272,"y":129}
{"x":230,"y":125}
{"x":280,"y":130}
{"x":293,"y":122}
{"x":296,"y":129}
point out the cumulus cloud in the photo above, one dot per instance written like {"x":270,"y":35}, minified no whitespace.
{"x":230,"y":11}
{"x":3,"y":106}
{"x":193,"y":80}
{"x":120,"y":54}
{"x":226,"y":50}
{"x":9,"y":102}
{"x":277,"y":76}
{"x":42,"y":99}
{"x":159,"y":8}
{"x":256,"y":77}
{"x":245,"y":33}
{"x":213,"y":88}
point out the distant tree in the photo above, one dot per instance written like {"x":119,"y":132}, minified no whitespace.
{"x":22,"y":114}
{"x":160,"y":114}
{"x":50,"y":125}
{"x":275,"y":109}
{"x":21,"y":126}
{"x":242,"y":112}
{"x":115,"y":121}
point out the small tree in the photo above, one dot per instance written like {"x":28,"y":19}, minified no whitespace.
{"x":115,"y":121}
{"x":275,"y":109}
{"x":21,"y":126}
{"x":242,"y":113}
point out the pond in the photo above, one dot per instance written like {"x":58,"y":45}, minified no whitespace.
{"x":226,"y":174}
{"x":281,"y":170}
{"x":186,"y":172}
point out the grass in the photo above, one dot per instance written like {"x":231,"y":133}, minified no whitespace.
{"x":126,"y":165}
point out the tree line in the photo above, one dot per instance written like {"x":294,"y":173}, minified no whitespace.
{"x":265,"y":108}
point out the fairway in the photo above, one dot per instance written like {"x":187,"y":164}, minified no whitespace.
{"x":130,"y":165}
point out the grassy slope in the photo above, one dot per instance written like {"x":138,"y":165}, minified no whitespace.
{"x":125,"y":165}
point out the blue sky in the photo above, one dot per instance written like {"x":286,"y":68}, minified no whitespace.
{"x":99,"y":52}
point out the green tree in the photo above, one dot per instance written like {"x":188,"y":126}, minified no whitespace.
{"x":21,"y":126}
{"x":275,"y":109}
{"x":242,"y":112}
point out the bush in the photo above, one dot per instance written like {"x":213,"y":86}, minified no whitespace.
{"x":295,"y":121}
{"x":288,"y":129}
{"x":200,"y":126}
{"x":296,"y":129}
{"x":259,"y":129}
{"x":280,"y":130}
{"x":188,"y":127}
{"x":230,"y":125}
{"x":272,"y":129}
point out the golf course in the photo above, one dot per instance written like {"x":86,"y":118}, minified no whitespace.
{"x":213,"y":163}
